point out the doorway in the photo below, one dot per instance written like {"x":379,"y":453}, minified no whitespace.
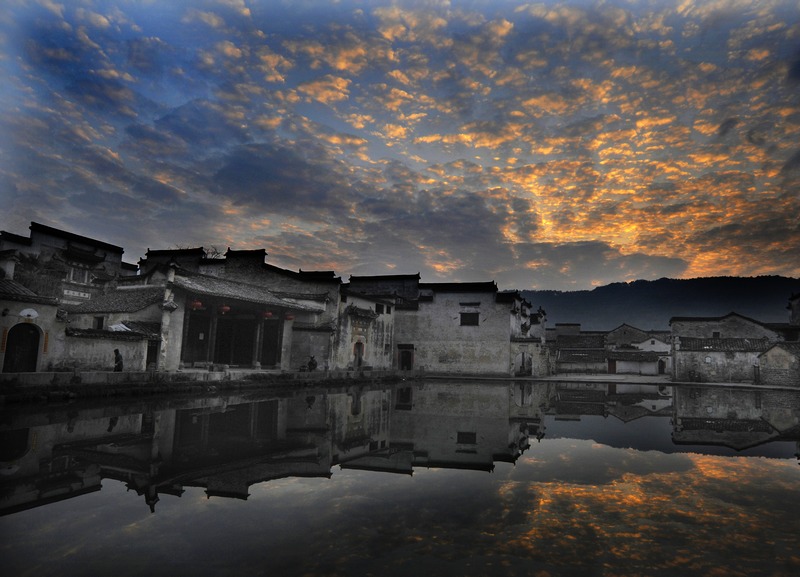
{"x":406,"y":357}
{"x":22,"y":349}
{"x":358,"y":351}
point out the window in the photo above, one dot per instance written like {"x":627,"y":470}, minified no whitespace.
{"x":98,"y":322}
{"x":463,"y":438}
{"x":469,"y":319}
{"x":379,"y":308}
{"x":80,"y":275}
{"x":715,"y":334}
{"x":388,"y":310}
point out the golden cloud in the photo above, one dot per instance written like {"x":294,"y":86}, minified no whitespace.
{"x":328,"y":89}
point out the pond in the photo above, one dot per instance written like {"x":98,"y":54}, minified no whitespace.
{"x":429,"y":477}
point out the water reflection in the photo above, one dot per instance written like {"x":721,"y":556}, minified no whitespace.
{"x":604,"y":474}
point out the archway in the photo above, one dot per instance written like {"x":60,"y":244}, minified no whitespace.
{"x":22,"y":349}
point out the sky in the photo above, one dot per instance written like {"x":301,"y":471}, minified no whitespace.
{"x":545,"y":145}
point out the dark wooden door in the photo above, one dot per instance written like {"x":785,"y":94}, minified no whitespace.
{"x":22,"y":349}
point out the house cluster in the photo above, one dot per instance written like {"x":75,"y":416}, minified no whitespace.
{"x":69,"y":302}
{"x":624,"y":350}
{"x":727,"y":349}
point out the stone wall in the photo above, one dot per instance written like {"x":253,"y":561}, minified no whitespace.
{"x":442,"y":344}
{"x":714,"y":366}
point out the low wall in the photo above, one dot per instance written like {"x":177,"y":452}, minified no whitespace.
{"x":58,"y":385}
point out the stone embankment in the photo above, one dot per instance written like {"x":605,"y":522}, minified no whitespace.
{"x":59,"y":386}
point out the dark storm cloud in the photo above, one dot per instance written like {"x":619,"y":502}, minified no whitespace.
{"x":281,"y":179}
{"x":727,"y":125}
{"x":792,"y":164}
{"x":147,"y":141}
{"x":149,"y":55}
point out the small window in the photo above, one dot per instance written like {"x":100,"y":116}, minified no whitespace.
{"x":469,"y":319}
{"x":467,"y":438}
{"x":388,"y":310}
{"x":98,"y":322}
{"x":715,"y":334}
{"x":379,"y":308}
{"x":79,"y":275}
{"x":652,"y":341}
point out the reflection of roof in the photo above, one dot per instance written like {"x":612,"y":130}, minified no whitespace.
{"x":218,"y":287}
{"x":724,"y":345}
{"x":123,"y":300}
{"x":734,"y":433}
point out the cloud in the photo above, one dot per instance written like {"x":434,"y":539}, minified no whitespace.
{"x":571,"y":144}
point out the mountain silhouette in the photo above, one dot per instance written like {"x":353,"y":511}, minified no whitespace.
{"x":649,"y":305}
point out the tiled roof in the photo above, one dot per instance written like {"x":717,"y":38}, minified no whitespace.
{"x":715,"y":319}
{"x":634,"y":356}
{"x":14,"y":291}
{"x":217,"y":287}
{"x":105,"y":334}
{"x":580,"y":341}
{"x":724,"y":345}
{"x":152,"y":330}
{"x":12,"y":287}
{"x":460,"y":287}
{"x":124,"y":300}
{"x":581,"y":356}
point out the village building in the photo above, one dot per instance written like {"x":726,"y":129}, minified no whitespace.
{"x":780,"y":365}
{"x":239,"y":312}
{"x":60,"y":264}
{"x":633,"y":351}
{"x":794,"y":311}
{"x":31,"y":329}
{"x":466,"y":328}
{"x":579,"y":352}
{"x":720,"y":349}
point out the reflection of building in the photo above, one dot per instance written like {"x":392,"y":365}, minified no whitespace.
{"x":738,"y":418}
{"x":452,"y":425}
{"x":223,"y":444}
{"x":226,"y":444}
{"x":626,"y":402}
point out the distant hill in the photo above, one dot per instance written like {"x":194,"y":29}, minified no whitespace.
{"x":650,"y":304}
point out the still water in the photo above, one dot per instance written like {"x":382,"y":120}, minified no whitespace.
{"x":429,"y":478}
